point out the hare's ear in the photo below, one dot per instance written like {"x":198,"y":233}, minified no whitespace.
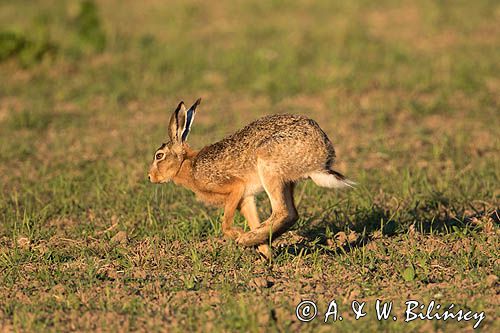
{"x":174,"y":124}
{"x":188,"y":120}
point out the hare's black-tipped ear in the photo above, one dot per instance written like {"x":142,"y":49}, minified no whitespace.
{"x":173,"y":126}
{"x":189,"y":120}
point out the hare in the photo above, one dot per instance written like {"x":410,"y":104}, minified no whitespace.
{"x":270,"y":154}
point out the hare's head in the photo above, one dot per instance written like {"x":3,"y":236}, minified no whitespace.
{"x":169,"y":157}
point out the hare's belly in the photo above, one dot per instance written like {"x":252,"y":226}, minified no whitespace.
{"x":253,"y":186}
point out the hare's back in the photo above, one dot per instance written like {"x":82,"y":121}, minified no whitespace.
{"x":297,"y":147}
{"x":281,"y":137}
{"x":277,"y":128}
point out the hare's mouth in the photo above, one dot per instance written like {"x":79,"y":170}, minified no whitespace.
{"x":155,"y":180}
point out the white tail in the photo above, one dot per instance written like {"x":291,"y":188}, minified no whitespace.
{"x":331,"y":179}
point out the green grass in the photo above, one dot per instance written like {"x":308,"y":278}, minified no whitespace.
{"x":408,"y":92}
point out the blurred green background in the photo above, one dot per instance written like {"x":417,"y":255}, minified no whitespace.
{"x":408,"y":91}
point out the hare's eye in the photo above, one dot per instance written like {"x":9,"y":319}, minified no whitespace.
{"x":159,"y":156}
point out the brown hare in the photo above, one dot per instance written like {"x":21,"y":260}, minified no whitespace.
{"x":270,"y":154}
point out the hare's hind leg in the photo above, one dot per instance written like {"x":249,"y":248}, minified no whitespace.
{"x":284,"y":214}
{"x":249,"y":211}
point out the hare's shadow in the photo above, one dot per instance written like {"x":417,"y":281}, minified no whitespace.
{"x":315,"y":238}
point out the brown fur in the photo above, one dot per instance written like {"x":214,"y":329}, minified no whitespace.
{"x":270,"y":154}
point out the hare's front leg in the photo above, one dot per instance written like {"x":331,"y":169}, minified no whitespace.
{"x":249,"y":211}
{"x":232,"y":202}
{"x":283,"y":216}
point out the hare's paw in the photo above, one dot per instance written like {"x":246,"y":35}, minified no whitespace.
{"x":232,"y":233}
{"x":249,"y":239}
{"x":252,"y":238}
{"x":265,"y":251}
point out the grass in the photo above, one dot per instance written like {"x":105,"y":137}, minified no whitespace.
{"x":408,"y":92}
